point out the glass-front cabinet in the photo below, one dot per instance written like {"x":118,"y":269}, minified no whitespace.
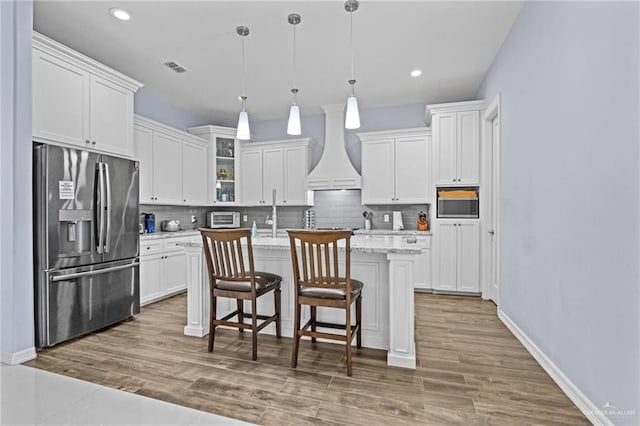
{"x":225,"y":179}
{"x":224,"y":166}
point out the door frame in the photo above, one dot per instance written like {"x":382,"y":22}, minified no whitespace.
{"x":491,"y":160}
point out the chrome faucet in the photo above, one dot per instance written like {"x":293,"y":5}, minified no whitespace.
{"x":274,"y":216}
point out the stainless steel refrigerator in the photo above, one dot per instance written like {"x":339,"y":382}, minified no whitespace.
{"x":86,"y":242}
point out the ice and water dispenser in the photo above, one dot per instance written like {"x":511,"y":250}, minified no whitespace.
{"x":74,"y":230}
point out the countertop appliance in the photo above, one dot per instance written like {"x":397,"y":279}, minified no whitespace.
{"x":223,"y":220}
{"x":170,"y":225}
{"x":86,"y":226}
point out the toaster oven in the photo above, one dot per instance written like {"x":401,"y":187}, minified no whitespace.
{"x":223,"y":220}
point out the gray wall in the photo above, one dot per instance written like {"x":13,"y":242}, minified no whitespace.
{"x":16,"y":252}
{"x":151,"y":106}
{"x":568,"y":74}
{"x":371,"y":120}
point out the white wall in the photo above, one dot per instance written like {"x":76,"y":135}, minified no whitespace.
{"x":569,"y":77}
{"x":16,"y":254}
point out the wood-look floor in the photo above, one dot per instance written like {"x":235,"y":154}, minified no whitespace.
{"x":471,"y":370}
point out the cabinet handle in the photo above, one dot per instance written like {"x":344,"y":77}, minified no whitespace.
{"x":284,"y":201}
{"x":184,"y":201}
{"x":87,"y":141}
{"x":148,"y":248}
{"x":93,"y":142}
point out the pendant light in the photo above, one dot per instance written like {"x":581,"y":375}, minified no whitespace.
{"x":352,"y":119}
{"x":293,"y":126}
{"x":243,"y":132}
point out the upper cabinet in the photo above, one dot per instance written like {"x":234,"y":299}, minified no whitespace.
{"x":222,"y":162}
{"x":173,"y":165}
{"x":80,"y":102}
{"x":396,"y":166}
{"x":456,"y":142}
{"x":279,"y":165}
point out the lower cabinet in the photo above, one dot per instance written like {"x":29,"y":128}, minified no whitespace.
{"x":422,"y":271}
{"x":163,"y":269}
{"x":456,"y":256}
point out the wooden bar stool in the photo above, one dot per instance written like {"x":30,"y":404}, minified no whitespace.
{"x":317,"y":282}
{"x":228,"y":277}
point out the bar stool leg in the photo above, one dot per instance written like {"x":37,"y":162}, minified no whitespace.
{"x":212,"y":317}
{"x":296,"y":336}
{"x":359,"y":321}
{"x":240,"y":303}
{"x":254,"y":328}
{"x":278,"y":301}
{"x":348,"y":329}
{"x":313,"y":321}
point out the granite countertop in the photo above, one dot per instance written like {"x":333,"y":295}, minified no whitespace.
{"x":390,"y":232}
{"x":161,"y":234}
{"x":359,"y":244}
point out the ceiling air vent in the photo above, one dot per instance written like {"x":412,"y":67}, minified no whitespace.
{"x":177,"y":68}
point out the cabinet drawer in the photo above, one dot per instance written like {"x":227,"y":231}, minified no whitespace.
{"x":171,"y":244}
{"x":150,"y":247}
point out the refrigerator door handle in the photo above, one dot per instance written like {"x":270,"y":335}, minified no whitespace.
{"x":107,"y":180}
{"x":94,"y":272}
{"x":100,"y":206}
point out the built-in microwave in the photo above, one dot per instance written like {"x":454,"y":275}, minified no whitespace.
{"x":223,"y":220}
{"x":458,"y":203}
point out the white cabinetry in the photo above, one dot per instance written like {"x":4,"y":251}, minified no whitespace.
{"x":195,"y":173}
{"x":456,"y":142}
{"x":80,"y":102}
{"x":396,"y":167}
{"x":279,"y":165}
{"x":163,"y":269}
{"x":173,"y":165}
{"x":456,"y":256}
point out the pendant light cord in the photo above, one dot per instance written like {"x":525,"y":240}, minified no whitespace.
{"x":294,"y":64}
{"x":243,"y":72}
{"x":351,"y":42}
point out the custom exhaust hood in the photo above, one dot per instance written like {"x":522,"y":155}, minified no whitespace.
{"x":334,"y":170}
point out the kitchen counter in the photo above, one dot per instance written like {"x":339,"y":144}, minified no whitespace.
{"x":162,"y":234}
{"x":391,"y":232}
{"x":359,"y":244}
{"x":384,"y":263}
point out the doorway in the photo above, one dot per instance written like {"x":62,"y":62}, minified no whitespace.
{"x":490,"y":225}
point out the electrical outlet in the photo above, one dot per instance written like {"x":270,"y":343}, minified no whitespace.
{"x":386,"y":218}
{"x":244,"y":217}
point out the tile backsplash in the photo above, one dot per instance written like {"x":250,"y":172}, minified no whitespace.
{"x":183,"y":214}
{"x":333,"y":209}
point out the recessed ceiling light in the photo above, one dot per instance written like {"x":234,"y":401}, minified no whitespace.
{"x":416,"y":73}
{"x":121,"y":14}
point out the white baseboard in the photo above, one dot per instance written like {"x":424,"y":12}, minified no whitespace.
{"x":18,"y":357}
{"x":584,"y":404}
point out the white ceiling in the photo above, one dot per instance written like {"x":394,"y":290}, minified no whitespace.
{"x":452,"y":42}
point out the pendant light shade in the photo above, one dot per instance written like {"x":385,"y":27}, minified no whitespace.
{"x":352,"y":119}
{"x":293,"y":126}
{"x":243,"y":132}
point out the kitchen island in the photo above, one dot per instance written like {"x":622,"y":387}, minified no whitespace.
{"x":384,"y":263}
